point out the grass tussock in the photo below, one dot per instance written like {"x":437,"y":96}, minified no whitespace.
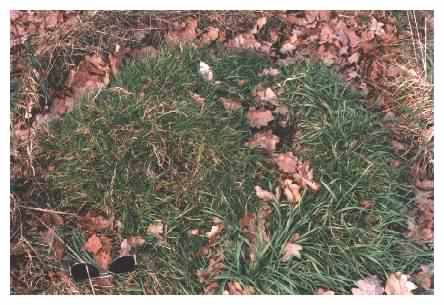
{"x":158,"y":156}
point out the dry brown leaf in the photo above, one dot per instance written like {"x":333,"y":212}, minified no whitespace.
{"x":184,"y":35}
{"x":290,"y":250}
{"x":197,"y":99}
{"x":254,"y":226}
{"x":265,"y":140}
{"x":103,"y":259}
{"x":369,"y":285}
{"x":291,"y":191}
{"x":194,"y":232}
{"x":125,"y":248}
{"x":52,"y":219}
{"x":230,"y":104}
{"x":398,"y":283}
{"x":324,"y":291}
{"x":210,"y":35}
{"x":216,"y":229}
{"x":243,"y":41}
{"x":265,"y":95}
{"x":367,"y":204}
{"x":92,"y":222}
{"x":235,"y":288}
{"x":354,"y":58}
{"x":136,"y":241}
{"x":376,"y":27}
{"x":426,"y":185}
{"x":259,"y":118}
{"x":262,"y":216}
{"x":424,"y":278}
{"x":263,"y":194}
{"x":327,"y":34}
{"x":287,"y":47}
{"x":286,"y":162}
{"x":269,"y":72}
{"x":398,"y":146}
{"x":304,"y":176}
{"x":156,"y":229}
{"x":145,"y":52}
{"x":215,"y":267}
{"x":63,"y":277}
{"x":93,"y":244}
{"x":261,"y":21}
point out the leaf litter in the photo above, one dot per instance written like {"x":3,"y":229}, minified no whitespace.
{"x":95,"y":73}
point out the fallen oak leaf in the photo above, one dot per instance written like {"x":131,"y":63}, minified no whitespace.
{"x":210,"y":35}
{"x":369,"y":285}
{"x":354,"y":58}
{"x":243,"y":41}
{"x":235,"y":288}
{"x":193,"y":232}
{"x":265,"y":140}
{"x":269,"y":72}
{"x":93,"y":244}
{"x":92,"y":222}
{"x":398,"y":283}
{"x":197,"y":99}
{"x":265,"y":95}
{"x":263,"y":194}
{"x":424,"y":184}
{"x":184,"y":35}
{"x":324,"y":291}
{"x":304,"y":176}
{"x":103,"y":259}
{"x":156,"y":229}
{"x":136,"y":241}
{"x":286,"y":162}
{"x":259,"y":118}
{"x":63,"y":277}
{"x":260,"y":22}
{"x":52,"y":219}
{"x":424,"y":277}
{"x":214,"y":232}
{"x":291,"y":191}
{"x":290,"y":250}
{"x":230,"y":104}
{"x":125,"y":248}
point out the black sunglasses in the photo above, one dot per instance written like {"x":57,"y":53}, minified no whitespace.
{"x":122,"y":264}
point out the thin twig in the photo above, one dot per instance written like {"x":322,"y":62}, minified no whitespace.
{"x":47,"y":211}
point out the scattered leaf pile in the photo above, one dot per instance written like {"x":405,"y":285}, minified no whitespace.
{"x":215,"y":254}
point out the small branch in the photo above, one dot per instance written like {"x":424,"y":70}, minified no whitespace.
{"x":47,"y":211}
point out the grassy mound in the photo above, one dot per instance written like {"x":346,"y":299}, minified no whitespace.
{"x":159,"y":156}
